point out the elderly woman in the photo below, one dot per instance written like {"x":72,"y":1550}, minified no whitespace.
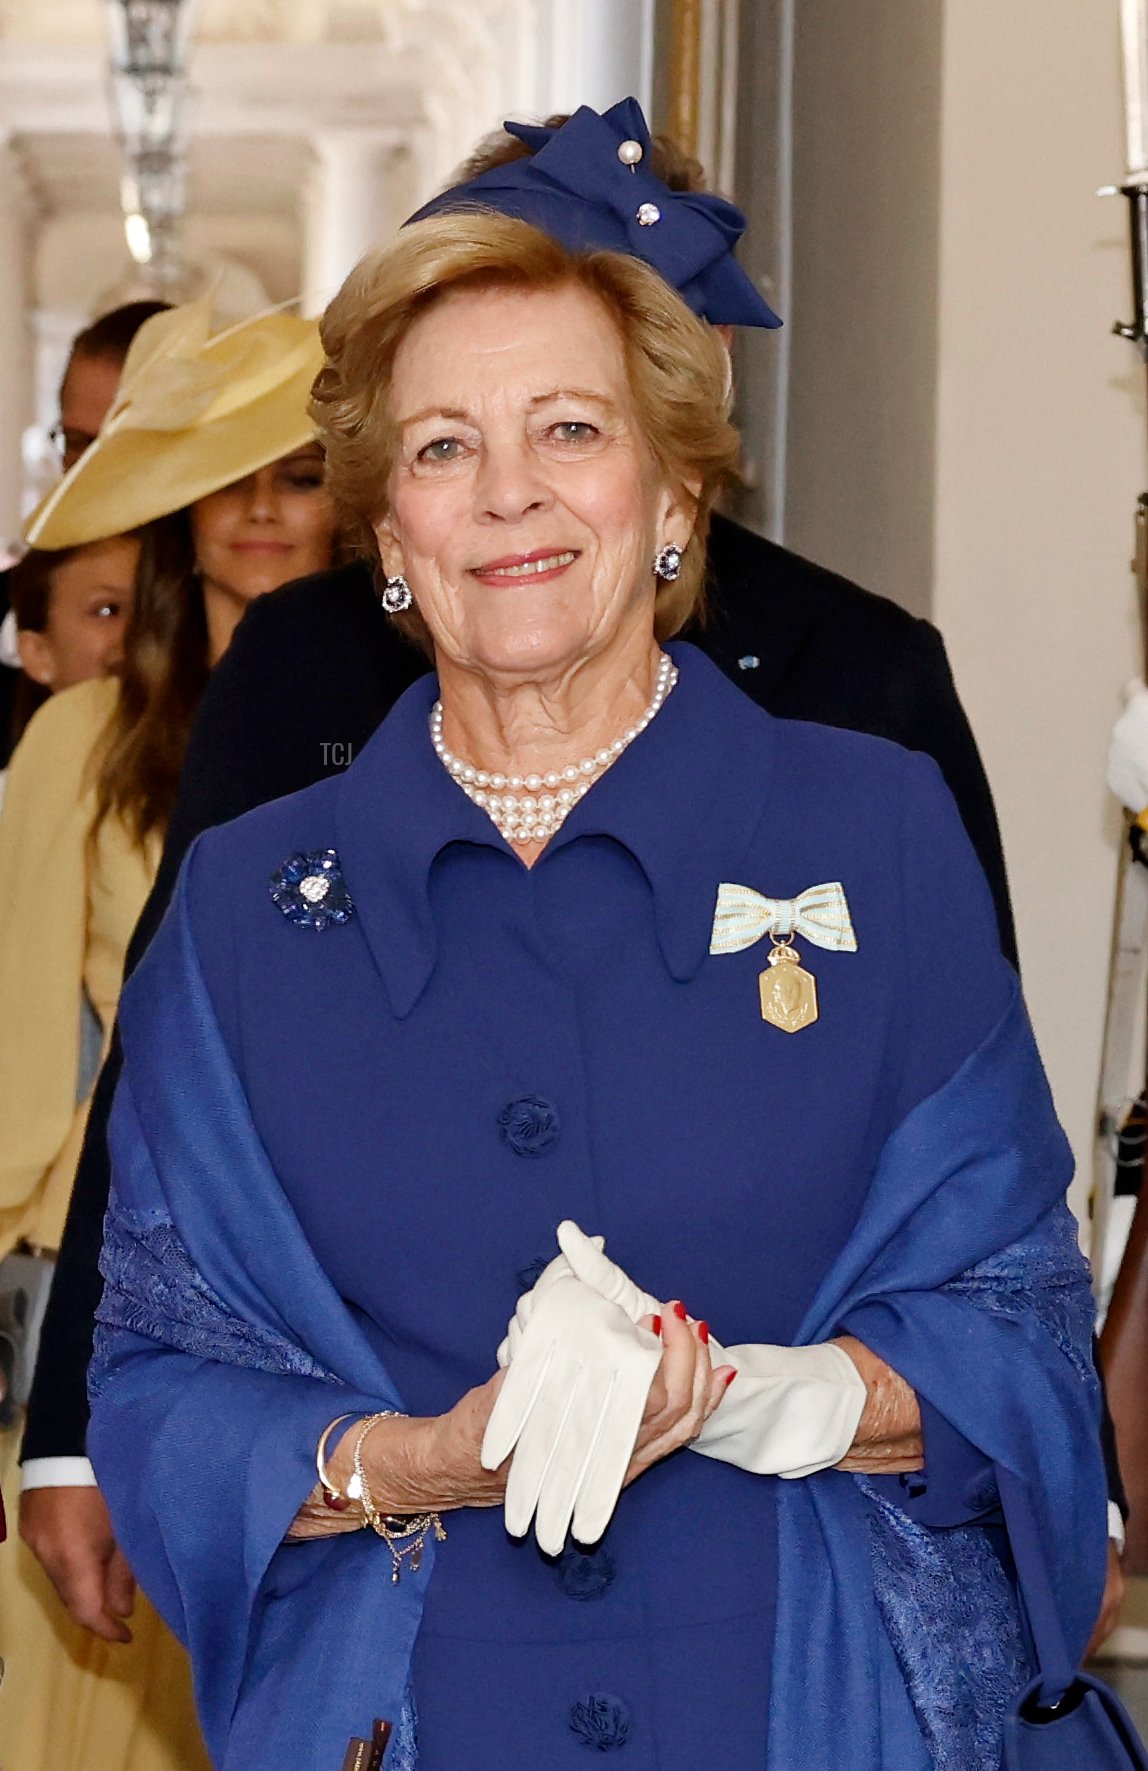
{"x":583,"y":938}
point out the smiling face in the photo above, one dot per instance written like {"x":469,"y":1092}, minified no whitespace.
{"x":90,"y":600}
{"x":525,"y":507}
{"x":266,"y":529}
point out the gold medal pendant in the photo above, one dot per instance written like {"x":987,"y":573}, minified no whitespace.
{"x":788,"y":991}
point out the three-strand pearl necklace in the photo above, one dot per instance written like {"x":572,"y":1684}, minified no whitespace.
{"x":530,"y":808}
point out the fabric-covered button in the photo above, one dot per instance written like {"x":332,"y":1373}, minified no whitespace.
{"x":529,"y":1275}
{"x":982,"y":1494}
{"x":600,"y":1721}
{"x":585,"y":1574}
{"x":529,"y":1125}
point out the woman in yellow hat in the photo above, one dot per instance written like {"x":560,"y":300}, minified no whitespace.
{"x":209,"y":458}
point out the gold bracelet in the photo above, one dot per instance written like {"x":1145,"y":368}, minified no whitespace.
{"x":339,"y":1499}
{"x":332,"y":1497}
{"x":391,"y":1528}
{"x":417,"y":1530}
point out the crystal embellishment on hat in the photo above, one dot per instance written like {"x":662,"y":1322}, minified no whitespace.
{"x":630,"y":152}
{"x":310,"y":890}
{"x":648,"y":214}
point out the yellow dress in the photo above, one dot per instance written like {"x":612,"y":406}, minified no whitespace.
{"x":68,"y":1702}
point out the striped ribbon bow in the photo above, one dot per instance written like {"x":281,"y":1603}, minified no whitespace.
{"x":820,"y":914}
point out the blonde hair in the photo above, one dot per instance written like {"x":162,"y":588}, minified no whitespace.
{"x":677,"y":365}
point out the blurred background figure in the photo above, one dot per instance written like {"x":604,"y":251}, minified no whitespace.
{"x":193,"y":521}
{"x":71,"y":609}
{"x":1123,"y":1270}
{"x":61,"y":622}
{"x":91,"y":377}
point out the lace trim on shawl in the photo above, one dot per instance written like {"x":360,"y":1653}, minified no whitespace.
{"x":950,"y":1612}
{"x":403,"y":1752}
{"x":948,"y":1606}
{"x":153,"y":1288}
{"x":1044,"y":1275}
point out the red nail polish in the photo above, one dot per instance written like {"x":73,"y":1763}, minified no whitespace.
{"x":656,"y":1325}
{"x":704,"y":1333}
{"x":680,"y":1310}
{"x":730,"y":1379}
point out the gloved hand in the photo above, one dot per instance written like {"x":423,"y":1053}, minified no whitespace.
{"x":612,"y":1284}
{"x":792,"y":1411}
{"x":1128,"y":750}
{"x":570,"y":1410}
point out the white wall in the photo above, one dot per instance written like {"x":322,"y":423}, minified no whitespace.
{"x":16,"y":392}
{"x":861,"y":320}
{"x":1040,"y":453}
{"x":594,"y":52}
{"x":964,"y":432}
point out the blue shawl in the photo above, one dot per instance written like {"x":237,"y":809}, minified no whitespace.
{"x":964,"y":1274}
{"x":223,"y":1350}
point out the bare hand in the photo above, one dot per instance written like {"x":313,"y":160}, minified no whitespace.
{"x":433,"y":1463}
{"x":69,"y":1531}
{"x":1111,"y":1602}
{"x":683,"y":1395}
{"x":888,"y":1440}
{"x":413,"y":1464}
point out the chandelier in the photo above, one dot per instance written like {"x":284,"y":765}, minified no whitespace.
{"x":148,"y":42}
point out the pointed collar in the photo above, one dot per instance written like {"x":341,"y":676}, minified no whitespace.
{"x":685,"y":799}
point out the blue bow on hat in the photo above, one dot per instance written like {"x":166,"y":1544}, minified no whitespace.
{"x":588,"y":185}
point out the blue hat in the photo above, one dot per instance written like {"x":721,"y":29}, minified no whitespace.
{"x":589,"y":186}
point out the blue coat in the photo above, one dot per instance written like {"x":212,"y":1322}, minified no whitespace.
{"x":480,"y":1050}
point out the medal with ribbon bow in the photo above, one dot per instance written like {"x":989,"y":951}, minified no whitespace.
{"x":820,"y":915}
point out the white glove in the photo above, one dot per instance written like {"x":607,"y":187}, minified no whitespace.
{"x":559,"y":1268}
{"x":1128,"y":750}
{"x":570,"y":1410}
{"x":792,"y":1410}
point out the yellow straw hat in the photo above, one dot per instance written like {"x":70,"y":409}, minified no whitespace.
{"x":194,"y":412}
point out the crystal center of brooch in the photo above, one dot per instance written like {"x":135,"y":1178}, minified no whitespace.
{"x":314,"y":888}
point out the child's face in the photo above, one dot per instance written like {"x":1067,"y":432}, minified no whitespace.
{"x":88,"y":610}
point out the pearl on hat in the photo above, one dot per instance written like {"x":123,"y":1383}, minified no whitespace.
{"x":630,"y":152}
{"x":648,"y":214}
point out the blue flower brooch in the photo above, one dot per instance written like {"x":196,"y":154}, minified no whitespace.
{"x":310,"y":890}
